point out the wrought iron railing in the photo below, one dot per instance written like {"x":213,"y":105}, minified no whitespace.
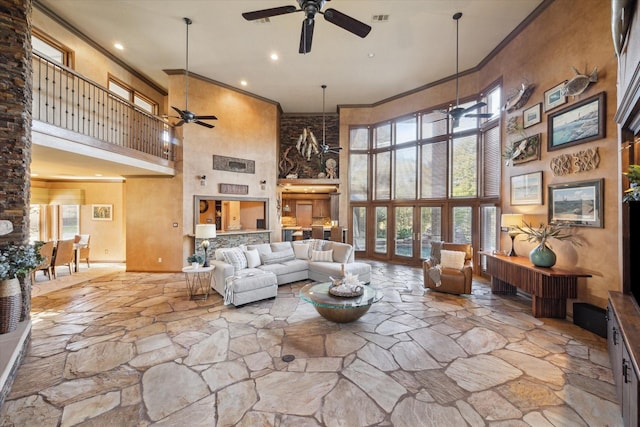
{"x":64,"y":98}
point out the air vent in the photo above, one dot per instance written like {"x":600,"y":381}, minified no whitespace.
{"x":379,"y":18}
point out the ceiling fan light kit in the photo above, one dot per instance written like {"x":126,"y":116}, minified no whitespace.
{"x":185,"y":115}
{"x":311,"y":8}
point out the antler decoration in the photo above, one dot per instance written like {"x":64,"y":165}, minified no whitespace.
{"x":307,"y":144}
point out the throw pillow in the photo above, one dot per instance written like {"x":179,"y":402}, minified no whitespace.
{"x":452,"y":259}
{"x":236,"y":258}
{"x":324,"y":256}
{"x":278,"y":257}
{"x":341,"y":252}
{"x":253,"y":258}
{"x":317,"y":244}
{"x":301,"y":250}
{"x":436,"y":247}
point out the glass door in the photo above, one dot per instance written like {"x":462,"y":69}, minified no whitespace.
{"x":404,"y":232}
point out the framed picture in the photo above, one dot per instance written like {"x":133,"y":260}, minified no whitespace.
{"x":526,"y":189}
{"x":577,"y":124}
{"x":102,"y":212}
{"x":532,"y":115}
{"x":577,"y":203}
{"x":554,"y":98}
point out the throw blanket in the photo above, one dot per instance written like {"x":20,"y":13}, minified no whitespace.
{"x":228,"y":289}
{"x":434,"y":274}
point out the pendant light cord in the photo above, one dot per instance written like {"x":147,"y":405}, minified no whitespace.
{"x":186,"y":91}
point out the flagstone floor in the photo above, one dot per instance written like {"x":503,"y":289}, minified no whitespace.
{"x":130,"y":349}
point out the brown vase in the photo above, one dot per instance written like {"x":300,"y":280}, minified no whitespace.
{"x":25,"y":291}
{"x":10,"y":305}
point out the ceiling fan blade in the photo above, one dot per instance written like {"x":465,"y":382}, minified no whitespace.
{"x":180,"y":123}
{"x":267,"y":13}
{"x":480,"y":115}
{"x":180,"y":113}
{"x":206,"y":118}
{"x":474,"y":107}
{"x":207,"y":125}
{"x":348,"y":23}
{"x":306,"y":35}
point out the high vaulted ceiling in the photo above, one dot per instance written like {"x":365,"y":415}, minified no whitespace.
{"x":414,"y":47}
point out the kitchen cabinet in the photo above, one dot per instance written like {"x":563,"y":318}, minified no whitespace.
{"x":622,"y":336}
{"x":321,"y":208}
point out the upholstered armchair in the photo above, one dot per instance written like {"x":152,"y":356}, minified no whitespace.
{"x":453,"y":279}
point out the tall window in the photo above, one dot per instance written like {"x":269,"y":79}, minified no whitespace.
{"x":132,"y":96}
{"x":46,"y":46}
{"x":69,"y":221}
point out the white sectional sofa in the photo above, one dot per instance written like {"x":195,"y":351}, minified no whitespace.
{"x":253,"y":272}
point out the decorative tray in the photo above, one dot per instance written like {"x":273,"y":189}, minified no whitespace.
{"x":333,"y":290}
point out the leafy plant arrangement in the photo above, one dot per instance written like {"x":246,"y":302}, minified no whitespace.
{"x":542,"y":233}
{"x":195,"y":258}
{"x":633,"y":192}
{"x":16,"y":261}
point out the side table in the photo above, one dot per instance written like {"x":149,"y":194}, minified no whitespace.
{"x":198,"y":281}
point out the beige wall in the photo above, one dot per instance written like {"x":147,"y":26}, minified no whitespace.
{"x":247,"y":128}
{"x":543,"y":54}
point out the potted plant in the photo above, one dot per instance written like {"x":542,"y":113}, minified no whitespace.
{"x":633,"y":192}
{"x":542,"y":255}
{"x":16,"y":262}
{"x":195,"y":260}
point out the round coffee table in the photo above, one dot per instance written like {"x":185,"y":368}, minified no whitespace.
{"x":339,"y":309}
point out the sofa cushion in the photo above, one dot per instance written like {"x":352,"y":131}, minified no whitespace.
{"x":235,"y":257}
{"x":452,"y":259}
{"x":301,"y":250}
{"x":253,"y":258}
{"x":263,"y":248}
{"x":322,"y":256}
{"x":277,"y":257}
{"x":317,"y":244}
{"x":341,"y":252}
{"x":280,"y":246}
{"x":286,"y":267}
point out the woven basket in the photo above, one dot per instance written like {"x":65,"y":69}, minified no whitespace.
{"x":10,"y":305}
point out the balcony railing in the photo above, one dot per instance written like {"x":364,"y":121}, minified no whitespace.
{"x":63,"y":98}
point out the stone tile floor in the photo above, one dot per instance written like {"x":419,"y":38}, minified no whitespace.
{"x":129,"y":349}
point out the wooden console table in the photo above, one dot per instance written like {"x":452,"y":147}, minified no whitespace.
{"x":549,"y":287}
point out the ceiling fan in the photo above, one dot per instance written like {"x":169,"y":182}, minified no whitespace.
{"x":457,"y":112}
{"x":324,"y":148}
{"x":185,"y":115}
{"x":310,"y":9}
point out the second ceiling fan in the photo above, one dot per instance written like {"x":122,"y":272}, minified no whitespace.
{"x":185,"y":115}
{"x":310,"y":9}
{"x":457,"y":112}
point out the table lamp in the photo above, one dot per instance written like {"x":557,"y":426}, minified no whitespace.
{"x":205,"y":232}
{"x":510,"y":222}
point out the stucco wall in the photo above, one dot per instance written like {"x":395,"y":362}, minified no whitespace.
{"x":561,"y":37}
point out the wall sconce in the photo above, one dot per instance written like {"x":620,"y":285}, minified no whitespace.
{"x":263,"y":184}
{"x":203,"y":180}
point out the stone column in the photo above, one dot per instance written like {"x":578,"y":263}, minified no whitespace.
{"x":15,"y":117}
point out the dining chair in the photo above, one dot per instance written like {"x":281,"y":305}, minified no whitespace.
{"x":83,"y":247}
{"x":46,"y":252}
{"x":317,"y":232}
{"x":64,"y":255}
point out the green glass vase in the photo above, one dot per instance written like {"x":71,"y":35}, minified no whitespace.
{"x":542,"y":256}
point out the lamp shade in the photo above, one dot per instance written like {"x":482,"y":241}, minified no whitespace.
{"x":510,"y":220}
{"x":205,"y":231}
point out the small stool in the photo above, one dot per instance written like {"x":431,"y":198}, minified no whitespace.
{"x":198,"y":281}
{"x":248,"y":286}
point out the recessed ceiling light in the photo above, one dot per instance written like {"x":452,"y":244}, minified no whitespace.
{"x":371,"y":54}
{"x":118,"y":46}
{"x":243,"y":82}
{"x":98,"y":174}
{"x":274,"y":56}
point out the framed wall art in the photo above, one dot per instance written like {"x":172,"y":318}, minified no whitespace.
{"x":532,"y":115}
{"x":233,"y":164}
{"x":579,"y":123}
{"x":523,"y":151}
{"x":526,"y":189}
{"x":554,"y":98}
{"x":102,"y":212}
{"x":577,"y":203}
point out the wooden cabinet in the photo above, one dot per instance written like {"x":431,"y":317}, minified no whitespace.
{"x":288,"y":207}
{"x":622,"y":336}
{"x":321,"y":208}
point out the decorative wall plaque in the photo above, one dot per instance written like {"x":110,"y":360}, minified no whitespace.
{"x":233,"y":164}
{"x":582,"y":161}
{"x":234,"y":189}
